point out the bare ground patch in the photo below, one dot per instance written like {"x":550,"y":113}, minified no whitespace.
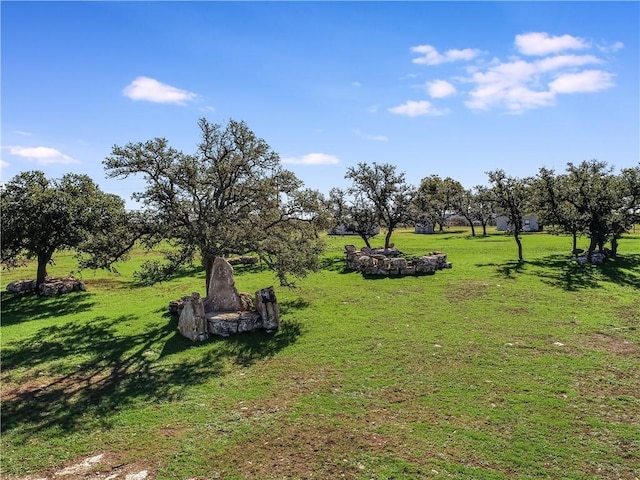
{"x":611,"y":344}
{"x":102,"y":466}
{"x":467,"y":290}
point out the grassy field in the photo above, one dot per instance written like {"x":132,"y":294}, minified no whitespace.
{"x":490,"y":370}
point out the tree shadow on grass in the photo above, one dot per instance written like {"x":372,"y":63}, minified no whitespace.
{"x":564,"y":272}
{"x":336,"y":263}
{"x":22,"y":307}
{"x":77,"y":376}
{"x":506,"y":270}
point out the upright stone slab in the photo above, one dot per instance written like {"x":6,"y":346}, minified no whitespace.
{"x":268,"y":308}
{"x":222,"y":295}
{"x":192,"y":323}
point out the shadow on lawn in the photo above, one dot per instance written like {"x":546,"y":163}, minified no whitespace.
{"x":565,"y":272}
{"x":506,"y":270}
{"x":20,"y":307}
{"x":337,"y":263}
{"x":81,"y":373}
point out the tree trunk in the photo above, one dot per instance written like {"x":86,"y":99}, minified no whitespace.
{"x":614,"y":246}
{"x":473,"y":229}
{"x":484,"y":229}
{"x":43,"y":260}
{"x":366,"y":240}
{"x":516,"y":235}
{"x":575,"y":241}
{"x":592,"y":246}
{"x":387,"y":238}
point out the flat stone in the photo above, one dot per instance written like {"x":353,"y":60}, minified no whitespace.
{"x":228,"y":323}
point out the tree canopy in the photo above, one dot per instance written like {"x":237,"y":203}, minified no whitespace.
{"x":512,"y":198}
{"x":41,"y":216}
{"x":229,"y":197}
{"x":388,"y":192}
{"x":438,"y":199}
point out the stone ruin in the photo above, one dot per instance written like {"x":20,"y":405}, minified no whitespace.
{"x":225,"y":311}
{"x":49,"y":288}
{"x":386,"y":262}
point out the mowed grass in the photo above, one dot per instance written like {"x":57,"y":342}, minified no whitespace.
{"x":490,"y":370}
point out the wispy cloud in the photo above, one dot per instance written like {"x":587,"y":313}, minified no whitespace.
{"x":22,"y":133}
{"x":373,"y":138}
{"x":587,"y":81}
{"x":151,"y":90}
{"x":312,"y":159}
{"x":41,"y":155}
{"x":413,"y":108}
{"x":440,"y":89}
{"x":431,"y":56}
{"x":541,"y":43}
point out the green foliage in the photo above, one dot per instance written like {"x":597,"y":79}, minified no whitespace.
{"x":437,"y":199}
{"x":230,"y":197}
{"x":42,"y":216}
{"x":512,"y":198}
{"x":385,"y":190}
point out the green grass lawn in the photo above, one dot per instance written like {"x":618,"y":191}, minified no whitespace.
{"x":490,"y":370}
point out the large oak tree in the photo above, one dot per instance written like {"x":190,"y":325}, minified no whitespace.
{"x":42,"y":216}
{"x":229,"y":197}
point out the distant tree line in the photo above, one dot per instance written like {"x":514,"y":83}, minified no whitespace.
{"x":232,"y":196}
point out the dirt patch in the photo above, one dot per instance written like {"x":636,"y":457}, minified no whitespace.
{"x":467,"y":290}
{"x":102,"y":466}
{"x":297,"y":451}
{"x":610,"y":344}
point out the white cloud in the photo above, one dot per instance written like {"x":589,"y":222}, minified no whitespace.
{"x":565,"y":61}
{"x":150,"y":90}
{"x":611,"y":48}
{"x":373,"y":138}
{"x":208,"y":108}
{"x":440,"y":89}
{"x":356,"y":84}
{"x":22,"y":133}
{"x":586,"y":81}
{"x":312,"y":159}
{"x":519,"y":85}
{"x":413,"y":108}
{"x":42,"y":155}
{"x":431,"y":56}
{"x":541,"y":43}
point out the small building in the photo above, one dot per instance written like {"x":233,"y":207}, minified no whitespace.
{"x":529,"y":223}
{"x":424,"y":227}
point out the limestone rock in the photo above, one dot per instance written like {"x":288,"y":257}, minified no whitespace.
{"x":49,"y":288}
{"x":229,"y":323}
{"x":192,"y":323}
{"x":222,"y":295}
{"x":268,"y":308}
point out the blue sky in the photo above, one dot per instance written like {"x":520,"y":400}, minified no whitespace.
{"x":448,"y":88}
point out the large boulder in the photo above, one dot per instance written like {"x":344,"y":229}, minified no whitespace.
{"x":223,"y":295}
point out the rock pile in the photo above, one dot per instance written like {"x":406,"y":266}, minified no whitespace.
{"x":49,"y":288}
{"x":226,"y":311}
{"x":388,"y":262}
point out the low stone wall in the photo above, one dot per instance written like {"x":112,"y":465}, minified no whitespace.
{"x":49,"y":288}
{"x":389,"y":262}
